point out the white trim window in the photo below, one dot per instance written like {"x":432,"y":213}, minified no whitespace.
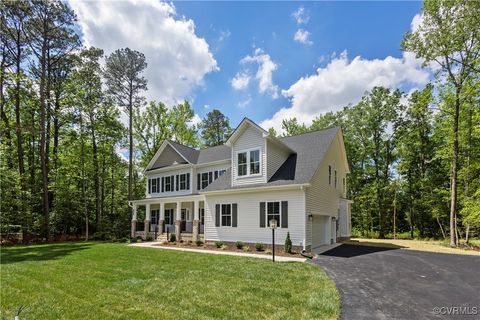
{"x":183,"y":181}
{"x":204,"y":180}
{"x":168,"y":184}
{"x":273,"y":212}
{"x":226,"y":215}
{"x":255,"y":161}
{"x":154,"y":185}
{"x":248,"y":163}
{"x":242,"y":164}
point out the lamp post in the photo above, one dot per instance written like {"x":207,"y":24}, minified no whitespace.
{"x":273,"y":226}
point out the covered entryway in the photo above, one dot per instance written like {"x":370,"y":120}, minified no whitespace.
{"x":321,"y":231}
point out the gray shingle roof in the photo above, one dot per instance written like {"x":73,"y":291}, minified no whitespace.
{"x":206,"y":155}
{"x":310,"y":148}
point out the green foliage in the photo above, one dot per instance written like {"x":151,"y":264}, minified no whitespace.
{"x":173,"y":237}
{"x":259,"y":246}
{"x":215,"y":128}
{"x":219,"y":244}
{"x":288,"y":244}
{"x":239,"y":244}
{"x":199,"y":243}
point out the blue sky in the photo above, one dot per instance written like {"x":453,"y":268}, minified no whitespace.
{"x":264,"y":60}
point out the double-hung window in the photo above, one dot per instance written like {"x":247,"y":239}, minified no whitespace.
{"x":226,"y":215}
{"x":254,"y":161}
{"x":183,"y":182}
{"x":204,"y":180}
{"x":154,"y":186}
{"x":168,"y":184}
{"x":242,"y":163}
{"x":248,"y":162}
{"x":273,"y":212}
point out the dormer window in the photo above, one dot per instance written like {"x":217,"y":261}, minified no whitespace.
{"x":248,"y":162}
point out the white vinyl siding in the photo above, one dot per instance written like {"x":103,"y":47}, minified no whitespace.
{"x":322,"y":198}
{"x":248,"y":217}
{"x":250,"y":139}
{"x":276,"y":156}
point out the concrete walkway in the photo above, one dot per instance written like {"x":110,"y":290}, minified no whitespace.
{"x":229,"y":253}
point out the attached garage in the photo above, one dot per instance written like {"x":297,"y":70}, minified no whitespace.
{"x":321,"y":231}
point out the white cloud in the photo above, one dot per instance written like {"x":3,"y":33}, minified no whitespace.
{"x":416,"y":22}
{"x":241,"y":80}
{"x":195,"y":120}
{"x":302,"y":36}
{"x":242,"y":104}
{"x":344,"y":81}
{"x":301,"y":16}
{"x":224,"y":35}
{"x":177,"y":58}
{"x":266,"y":67}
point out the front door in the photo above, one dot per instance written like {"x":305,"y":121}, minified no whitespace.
{"x":186,"y":225}
{"x":169,"y":223}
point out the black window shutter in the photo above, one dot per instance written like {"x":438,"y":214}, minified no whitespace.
{"x":217,"y":215}
{"x":284,"y":214}
{"x":216,"y":174}
{"x":172,"y":181}
{"x":158,"y":185}
{"x":149,"y":186}
{"x":234,"y":214}
{"x":262,"y":214}
{"x":163,"y":184}
{"x":198,"y":181}
{"x":209,"y":177}
{"x":188,"y":181}
{"x":176,"y":182}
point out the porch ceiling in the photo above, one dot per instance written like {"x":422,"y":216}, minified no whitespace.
{"x":173,"y":199}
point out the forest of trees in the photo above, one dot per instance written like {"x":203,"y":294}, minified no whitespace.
{"x":69,"y":164}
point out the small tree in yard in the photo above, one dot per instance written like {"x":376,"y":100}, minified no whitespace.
{"x":288,"y":244}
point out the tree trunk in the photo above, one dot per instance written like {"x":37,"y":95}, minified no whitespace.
{"x":82,"y":161}
{"x":97,"y":177}
{"x":130,"y":147}
{"x":453,"y":203}
{"x":43,"y":154}
{"x":441,"y":229}
{"x":18,"y":125}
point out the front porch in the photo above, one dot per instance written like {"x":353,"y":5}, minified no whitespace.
{"x":182,"y":216}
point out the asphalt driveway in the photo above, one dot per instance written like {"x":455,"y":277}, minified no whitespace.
{"x":384,"y":283}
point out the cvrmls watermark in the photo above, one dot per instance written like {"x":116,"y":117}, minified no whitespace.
{"x":453,"y":311}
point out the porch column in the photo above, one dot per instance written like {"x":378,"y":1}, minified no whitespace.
{"x":147,"y":219}
{"x":161,"y":222}
{"x":178,"y":217}
{"x":196,"y":221}
{"x":134,"y":220}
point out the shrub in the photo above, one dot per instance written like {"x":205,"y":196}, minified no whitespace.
{"x":173,"y":237}
{"x":149,"y":238}
{"x":139,"y":240}
{"x":268,"y":251}
{"x":288,"y":244}
{"x":246,"y":248}
{"x":239,"y":244}
{"x":219,"y":244}
{"x":259,"y":246}
{"x":199,"y":243}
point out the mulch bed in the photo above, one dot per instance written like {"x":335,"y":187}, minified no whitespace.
{"x":229,"y":247}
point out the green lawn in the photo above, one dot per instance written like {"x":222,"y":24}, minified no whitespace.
{"x":115,"y":281}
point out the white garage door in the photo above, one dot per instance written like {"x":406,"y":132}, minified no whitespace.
{"x":320,"y":231}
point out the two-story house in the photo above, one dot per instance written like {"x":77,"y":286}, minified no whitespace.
{"x":230,"y":192}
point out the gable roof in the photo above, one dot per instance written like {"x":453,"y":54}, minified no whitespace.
{"x":309,"y":150}
{"x":191,"y":155}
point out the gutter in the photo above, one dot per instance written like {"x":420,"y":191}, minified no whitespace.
{"x":253,"y":189}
